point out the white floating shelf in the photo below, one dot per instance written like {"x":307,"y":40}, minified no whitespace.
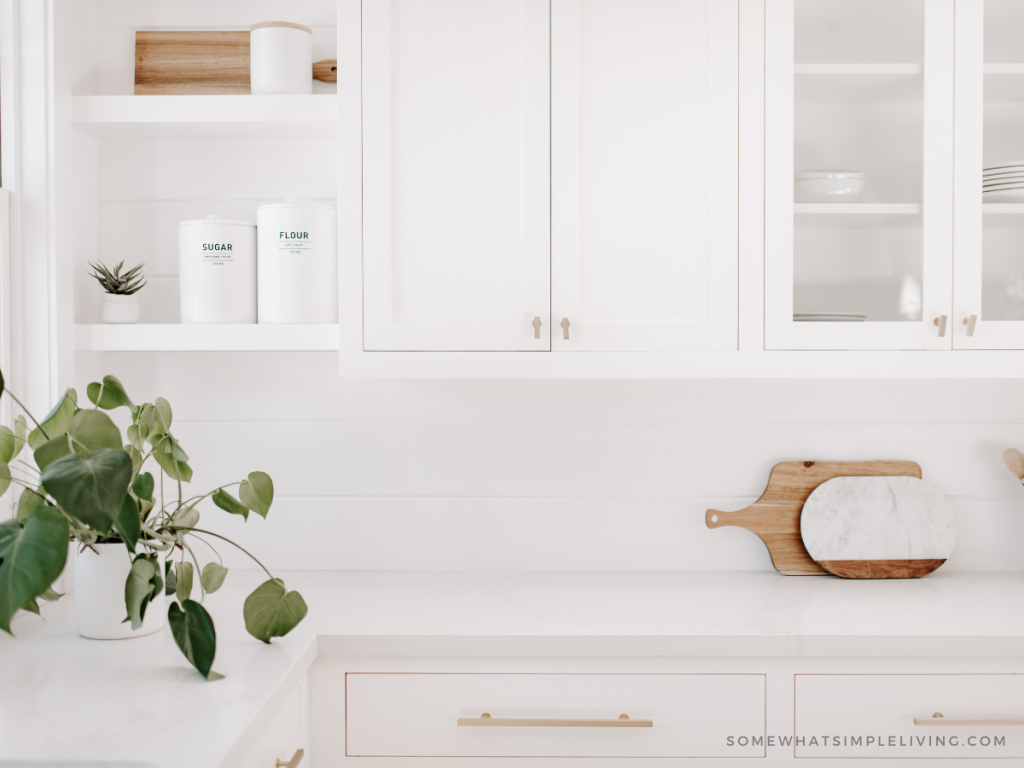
{"x":858,"y":83}
{"x":206,"y":338}
{"x":221,"y":116}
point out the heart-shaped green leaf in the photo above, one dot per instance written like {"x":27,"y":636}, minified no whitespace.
{"x":229,"y":503}
{"x":92,"y":489}
{"x":193,"y":631}
{"x":51,"y":450}
{"x":172,"y":459}
{"x":257,"y":493}
{"x":143,"y":584}
{"x":163,"y":413}
{"x":213,"y":576}
{"x":183,"y":587}
{"x":271,"y":611}
{"x":170,"y":579}
{"x":129,"y":523}
{"x":56,"y":422}
{"x":28,"y":501}
{"x":186,"y":517}
{"x":20,"y":435}
{"x":92,"y":430}
{"x":31,"y":557}
{"x":8,"y":444}
{"x":109,"y":394}
{"x":5,"y":478}
{"x":143,"y":486}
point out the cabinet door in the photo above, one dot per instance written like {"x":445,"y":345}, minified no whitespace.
{"x":988,"y":288}
{"x":861,"y":90}
{"x":644,"y":174}
{"x":456,"y":200}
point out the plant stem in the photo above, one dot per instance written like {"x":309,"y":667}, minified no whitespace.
{"x":229,"y":541}
{"x":27,"y":413}
{"x":212,"y":548}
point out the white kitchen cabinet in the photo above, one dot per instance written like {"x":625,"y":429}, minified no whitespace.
{"x":864,"y":86}
{"x":626,"y":241}
{"x":873,"y":716}
{"x":391,"y":715}
{"x":456,"y":179}
{"x":644,"y":174}
{"x":988,"y":290}
{"x":286,"y":735}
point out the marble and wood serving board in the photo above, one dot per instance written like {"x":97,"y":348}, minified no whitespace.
{"x":878,"y":527}
{"x":775,"y":517}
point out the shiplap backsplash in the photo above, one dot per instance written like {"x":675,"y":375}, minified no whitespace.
{"x":557,"y":475}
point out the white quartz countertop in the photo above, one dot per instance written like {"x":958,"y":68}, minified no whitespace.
{"x":64,"y":697}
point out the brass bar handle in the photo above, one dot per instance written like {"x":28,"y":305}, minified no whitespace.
{"x":294,"y":762}
{"x":486,"y":721}
{"x":940,"y":322}
{"x":565,"y":328}
{"x":536,"y":327}
{"x":938,"y":719}
{"x":970,"y":321}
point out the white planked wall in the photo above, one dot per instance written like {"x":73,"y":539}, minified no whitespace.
{"x":558,"y":475}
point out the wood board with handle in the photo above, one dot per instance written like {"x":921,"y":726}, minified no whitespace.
{"x":775,"y":517}
{"x":200,"y":62}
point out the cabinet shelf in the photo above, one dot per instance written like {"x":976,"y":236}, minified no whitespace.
{"x":855,"y":215}
{"x":1004,"y":82}
{"x":858,"y":83}
{"x":220,"y":116}
{"x":206,"y":338}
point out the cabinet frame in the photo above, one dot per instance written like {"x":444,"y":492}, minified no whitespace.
{"x":781,"y":331}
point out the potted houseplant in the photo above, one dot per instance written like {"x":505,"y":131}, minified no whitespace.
{"x":120,"y":304}
{"x":133,"y":541}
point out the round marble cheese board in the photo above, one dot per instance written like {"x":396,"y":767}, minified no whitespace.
{"x":877,"y":527}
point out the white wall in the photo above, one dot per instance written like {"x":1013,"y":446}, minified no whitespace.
{"x":560,"y":475}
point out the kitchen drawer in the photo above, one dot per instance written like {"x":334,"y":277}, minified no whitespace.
{"x":417,"y":715}
{"x":873,"y":716}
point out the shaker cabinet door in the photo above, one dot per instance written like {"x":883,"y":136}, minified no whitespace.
{"x":456,"y":175}
{"x":644,"y":174}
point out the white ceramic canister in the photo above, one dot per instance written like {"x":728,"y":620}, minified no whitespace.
{"x":298,"y":262}
{"x":100,"y":574}
{"x":217,"y":267}
{"x":280,"y":58}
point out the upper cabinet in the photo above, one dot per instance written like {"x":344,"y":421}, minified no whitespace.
{"x":549,"y":176}
{"x":989,"y":209}
{"x":859,"y":174}
{"x":644,"y":174}
{"x":456,"y":175}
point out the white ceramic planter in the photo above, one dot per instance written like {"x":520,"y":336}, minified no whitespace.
{"x":120,"y":310}
{"x":99,"y":595}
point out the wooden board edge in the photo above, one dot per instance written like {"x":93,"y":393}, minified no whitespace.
{"x":881,"y":569}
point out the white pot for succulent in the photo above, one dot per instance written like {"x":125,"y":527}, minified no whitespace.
{"x":101,"y":571}
{"x":119,"y":309}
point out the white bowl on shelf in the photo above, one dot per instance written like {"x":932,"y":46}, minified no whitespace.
{"x":828,"y":186}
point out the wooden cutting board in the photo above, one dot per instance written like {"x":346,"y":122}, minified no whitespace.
{"x":190,"y":62}
{"x":878,"y":527}
{"x":775,"y":517}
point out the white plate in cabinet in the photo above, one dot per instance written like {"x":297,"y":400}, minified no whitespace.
{"x":842,"y":708}
{"x":391,"y":715}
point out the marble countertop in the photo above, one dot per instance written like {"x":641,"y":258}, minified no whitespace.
{"x":64,"y":697}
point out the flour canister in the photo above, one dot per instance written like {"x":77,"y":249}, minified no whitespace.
{"x":280,"y":58}
{"x":298,"y":262}
{"x":217,"y":267}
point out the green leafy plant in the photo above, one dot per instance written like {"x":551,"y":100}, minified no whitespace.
{"x":119,"y":284}
{"x":91,"y":487}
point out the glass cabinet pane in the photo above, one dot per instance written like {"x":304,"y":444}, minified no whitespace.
{"x":858,"y":156}
{"x":1002,"y":264}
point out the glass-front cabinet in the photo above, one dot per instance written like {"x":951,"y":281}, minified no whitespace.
{"x":859,"y":176}
{"x":988,"y":290}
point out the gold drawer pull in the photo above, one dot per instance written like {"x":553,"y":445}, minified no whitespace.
{"x":294,"y":762}
{"x":938,"y":719}
{"x":538,"y":722}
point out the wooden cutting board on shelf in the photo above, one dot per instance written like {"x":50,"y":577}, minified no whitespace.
{"x":775,"y":517}
{"x":200,"y":62}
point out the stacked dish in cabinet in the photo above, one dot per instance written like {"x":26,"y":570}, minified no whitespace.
{"x":1003,"y":183}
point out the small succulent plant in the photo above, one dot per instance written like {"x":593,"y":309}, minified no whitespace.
{"x":113,"y":281}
